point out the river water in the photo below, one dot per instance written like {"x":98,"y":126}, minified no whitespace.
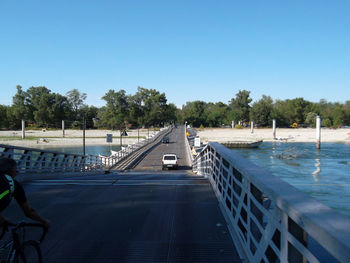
{"x":89,"y":150}
{"x":324,"y":174}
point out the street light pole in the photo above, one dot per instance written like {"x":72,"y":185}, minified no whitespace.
{"x":121,"y":140}
{"x":84,"y":127}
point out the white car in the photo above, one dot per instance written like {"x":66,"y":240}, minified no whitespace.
{"x":169,"y":160}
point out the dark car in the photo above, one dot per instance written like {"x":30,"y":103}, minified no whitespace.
{"x":165,"y":140}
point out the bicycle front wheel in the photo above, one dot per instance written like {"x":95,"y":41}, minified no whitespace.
{"x":30,"y":253}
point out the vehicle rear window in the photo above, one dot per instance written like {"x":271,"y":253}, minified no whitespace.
{"x":169,"y":157}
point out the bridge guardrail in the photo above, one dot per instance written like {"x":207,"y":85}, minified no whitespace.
{"x":188,"y":147}
{"x":110,"y":161}
{"x":273,"y":221}
{"x":31,"y":160}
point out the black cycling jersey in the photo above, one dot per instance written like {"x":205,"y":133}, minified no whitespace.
{"x":6,"y":195}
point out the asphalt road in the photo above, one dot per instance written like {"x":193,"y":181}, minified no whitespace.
{"x":176,"y":145}
{"x":137,"y":216}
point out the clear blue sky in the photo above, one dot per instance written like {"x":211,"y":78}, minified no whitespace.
{"x":189,"y":49}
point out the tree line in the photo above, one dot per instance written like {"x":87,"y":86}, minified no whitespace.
{"x":262,"y":112}
{"x":42,"y":108}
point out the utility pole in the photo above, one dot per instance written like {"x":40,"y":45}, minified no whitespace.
{"x":121,"y":140}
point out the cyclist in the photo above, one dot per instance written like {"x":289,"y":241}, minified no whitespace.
{"x":11,"y":188}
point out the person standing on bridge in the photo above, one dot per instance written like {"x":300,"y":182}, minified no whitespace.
{"x":11,"y":188}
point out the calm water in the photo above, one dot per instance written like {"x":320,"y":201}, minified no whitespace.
{"x":90,"y":150}
{"x":323,"y":174}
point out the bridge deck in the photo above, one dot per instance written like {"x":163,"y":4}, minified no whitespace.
{"x":133,"y":217}
{"x":137,"y":216}
{"x":176,"y":145}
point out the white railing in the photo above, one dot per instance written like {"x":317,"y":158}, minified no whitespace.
{"x":272,"y":220}
{"x":114,"y":159}
{"x":30,"y":160}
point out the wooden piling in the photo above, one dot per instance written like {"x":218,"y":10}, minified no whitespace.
{"x":274,"y":129}
{"x":252,"y":127}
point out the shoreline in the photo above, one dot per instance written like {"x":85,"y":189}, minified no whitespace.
{"x":307,"y":135}
{"x":55,"y":139}
{"x":73,"y":138}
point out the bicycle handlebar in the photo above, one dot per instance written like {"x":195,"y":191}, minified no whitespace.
{"x":23,"y":224}
{"x":4,"y":227}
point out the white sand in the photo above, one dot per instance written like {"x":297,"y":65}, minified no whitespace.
{"x":72,"y":137}
{"x":285,"y":134}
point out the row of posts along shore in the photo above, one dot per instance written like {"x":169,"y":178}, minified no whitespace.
{"x":318,"y":130}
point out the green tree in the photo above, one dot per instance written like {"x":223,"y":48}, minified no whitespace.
{"x":115,"y":113}
{"x":326,"y":112}
{"x":21,"y":108}
{"x":289,"y":111}
{"x":279,"y":113}
{"x":347,"y":112}
{"x":90,"y":113}
{"x":311,"y":119}
{"x":194,"y":113}
{"x":3,"y":116}
{"x":40,"y":101}
{"x":12,"y":120}
{"x":59,"y":110}
{"x":216,"y":114}
{"x":76,"y":100}
{"x":261,"y":111}
{"x":240,"y":105}
{"x":136,"y":112}
{"x":171,"y":113}
{"x":153,"y":105}
{"x":300,"y":107}
{"x":339,"y":115}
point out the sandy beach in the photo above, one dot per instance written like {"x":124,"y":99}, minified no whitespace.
{"x":54,"y":138}
{"x":283,"y":134}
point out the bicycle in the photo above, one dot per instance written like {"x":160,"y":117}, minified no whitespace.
{"x":17,"y":249}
